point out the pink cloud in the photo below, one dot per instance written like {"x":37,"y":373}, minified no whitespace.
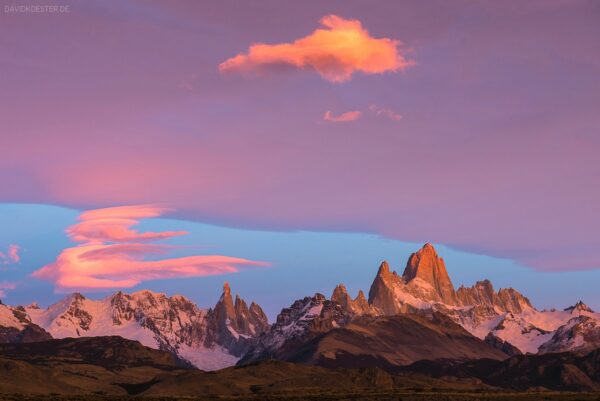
{"x":336,"y":52}
{"x":6,"y":285}
{"x":13,"y":253}
{"x":246,"y":154}
{"x":383,"y":112}
{"x":113,"y":225}
{"x":98,"y":263}
{"x":11,"y":256}
{"x":342,"y":118}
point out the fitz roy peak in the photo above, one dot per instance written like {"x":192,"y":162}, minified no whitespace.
{"x":504,"y":319}
{"x":425,"y":266}
{"x":468,"y":322}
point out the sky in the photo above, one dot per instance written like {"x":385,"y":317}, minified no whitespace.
{"x":287,"y":146}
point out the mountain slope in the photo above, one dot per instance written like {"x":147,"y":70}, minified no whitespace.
{"x":505,"y":315}
{"x":109,"y":352}
{"x":231,"y":331}
{"x":209,"y":339}
{"x":16,"y":327}
{"x":554,"y":371}
{"x":304,"y":320}
{"x":320,"y":331}
{"x":395,"y":341}
{"x":581,"y":333}
{"x":81,"y":366}
{"x":77,"y":375}
{"x":91,"y":368}
{"x":313,"y":328}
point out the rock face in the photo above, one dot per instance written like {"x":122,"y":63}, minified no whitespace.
{"x":425,"y":285}
{"x":386,"y":342}
{"x":580,"y":309}
{"x":233,"y":325}
{"x":482,"y":293}
{"x":385,"y":289}
{"x":581,"y":333}
{"x":315,"y":327}
{"x":504,"y":318}
{"x":209,"y":339}
{"x":425,"y":265}
{"x":16,"y":327}
{"x":172,"y":322}
{"x":401,"y":340}
{"x":296,"y":326}
{"x":502,"y":345}
{"x":359,"y":305}
{"x":76,"y":314}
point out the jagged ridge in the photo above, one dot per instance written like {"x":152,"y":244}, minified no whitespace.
{"x":210,"y":339}
{"x":220,"y":336}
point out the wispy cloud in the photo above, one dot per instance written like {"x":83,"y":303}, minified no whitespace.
{"x":114,"y":225}
{"x":112,"y":255}
{"x":11,"y":256}
{"x":342,"y":118}
{"x":336,"y":51}
{"x":383,"y":112}
{"x":6,"y":285}
{"x":356,"y":114}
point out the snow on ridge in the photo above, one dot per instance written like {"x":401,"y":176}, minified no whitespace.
{"x":8,"y":319}
{"x":207,"y":358}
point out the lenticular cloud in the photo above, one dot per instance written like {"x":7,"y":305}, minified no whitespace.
{"x":112,"y":255}
{"x":335,"y":52}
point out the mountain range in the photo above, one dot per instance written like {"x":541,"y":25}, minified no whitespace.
{"x":406,"y":318}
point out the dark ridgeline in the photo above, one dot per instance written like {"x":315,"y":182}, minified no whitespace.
{"x":414,"y":330}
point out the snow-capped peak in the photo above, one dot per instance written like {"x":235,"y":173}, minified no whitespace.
{"x":579,"y":308}
{"x":505,"y":314}
{"x":156,"y":320}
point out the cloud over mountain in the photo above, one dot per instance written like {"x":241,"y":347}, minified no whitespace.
{"x":496,"y":153}
{"x":112,"y":255}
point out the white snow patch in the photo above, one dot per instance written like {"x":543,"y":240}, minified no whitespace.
{"x":522,"y":335}
{"x":481,"y":330}
{"x":207,"y":358}
{"x":8,"y":319}
{"x":403,"y":297}
{"x":102,"y":323}
{"x":232,"y":330}
{"x":313,"y":312}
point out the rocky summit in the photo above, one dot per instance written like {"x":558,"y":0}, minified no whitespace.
{"x":504,"y":319}
{"x":207,"y":338}
{"x":477,"y":321}
{"x":425,"y":268}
